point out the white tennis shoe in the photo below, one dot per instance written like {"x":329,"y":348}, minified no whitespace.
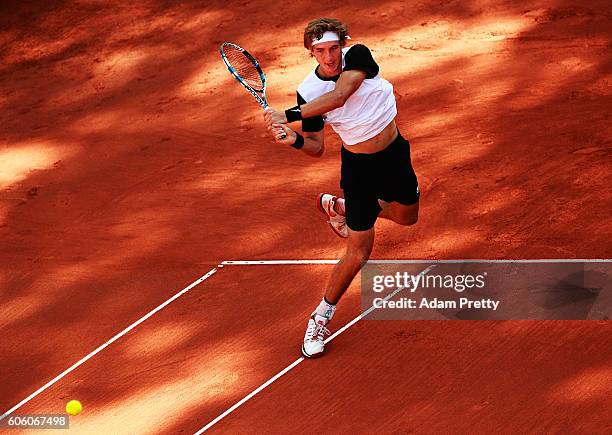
{"x":337,"y":222}
{"x":314,"y":339}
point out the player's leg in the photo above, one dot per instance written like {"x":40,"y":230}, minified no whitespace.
{"x":361,"y":215}
{"x":358,"y":249}
{"x":362,"y":209}
{"x":399,"y":188}
{"x":399,"y":213}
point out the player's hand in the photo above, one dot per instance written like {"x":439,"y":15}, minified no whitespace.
{"x":272,"y":116}
{"x":282,"y":134}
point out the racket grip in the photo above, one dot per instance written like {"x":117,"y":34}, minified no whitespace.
{"x":283,"y":134}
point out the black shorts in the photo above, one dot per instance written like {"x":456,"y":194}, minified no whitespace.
{"x":366,"y":178}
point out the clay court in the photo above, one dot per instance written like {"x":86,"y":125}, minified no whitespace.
{"x":132,"y":166}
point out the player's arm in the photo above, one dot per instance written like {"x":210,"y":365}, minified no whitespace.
{"x":312,"y":143}
{"x":311,"y":139}
{"x":347,"y":84}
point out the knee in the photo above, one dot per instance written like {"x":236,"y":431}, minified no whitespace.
{"x":358,"y":259}
{"x":359,"y":254}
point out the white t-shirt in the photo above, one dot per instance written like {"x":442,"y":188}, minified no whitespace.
{"x":366,"y":112}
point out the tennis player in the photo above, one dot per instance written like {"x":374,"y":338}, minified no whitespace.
{"x":346,"y":91}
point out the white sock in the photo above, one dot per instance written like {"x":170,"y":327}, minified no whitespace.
{"x":325,"y":310}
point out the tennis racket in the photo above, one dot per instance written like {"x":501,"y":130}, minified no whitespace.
{"x":245,"y":68}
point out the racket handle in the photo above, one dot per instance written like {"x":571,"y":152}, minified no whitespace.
{"x":283,"y":134}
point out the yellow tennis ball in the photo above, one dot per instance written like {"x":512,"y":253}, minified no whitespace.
{"x":74,"y":407}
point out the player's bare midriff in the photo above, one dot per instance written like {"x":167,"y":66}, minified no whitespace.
{"x":378,"y":143}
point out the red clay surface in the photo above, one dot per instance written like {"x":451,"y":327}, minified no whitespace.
{"x":131,"y":164}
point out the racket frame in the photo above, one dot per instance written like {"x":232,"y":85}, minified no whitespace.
{"x":260,"y":99}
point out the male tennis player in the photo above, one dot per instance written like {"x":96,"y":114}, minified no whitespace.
{"x":346,"y":91}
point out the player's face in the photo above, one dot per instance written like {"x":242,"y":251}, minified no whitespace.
{"x":329,"y":56}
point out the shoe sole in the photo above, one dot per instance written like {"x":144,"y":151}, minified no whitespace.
{"x":307,"y":355}
{"x":322,"y":210}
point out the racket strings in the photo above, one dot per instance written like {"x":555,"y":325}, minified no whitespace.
{"x":243,"y":66}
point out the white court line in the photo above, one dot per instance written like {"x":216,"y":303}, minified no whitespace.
{"x":540,"y":260}
{"x":537,"y":260}
{"x":299,"y":360}
{"x":250,"y":395}
{"x":277,"y":262}
{"x":109,"y":342}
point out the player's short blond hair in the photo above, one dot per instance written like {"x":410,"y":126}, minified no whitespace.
{"x":316,"y":28}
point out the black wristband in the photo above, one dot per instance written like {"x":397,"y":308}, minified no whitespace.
{"x":293,"y":114}
{"x":299,"y":141}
